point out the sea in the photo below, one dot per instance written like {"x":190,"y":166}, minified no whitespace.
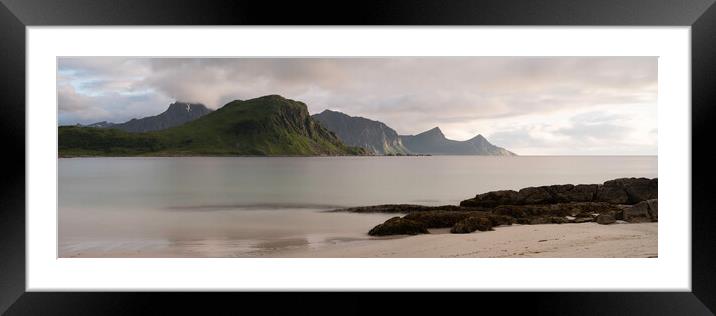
{"x":255,"y":206}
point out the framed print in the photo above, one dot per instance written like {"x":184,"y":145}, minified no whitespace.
{"x":510,"y":147}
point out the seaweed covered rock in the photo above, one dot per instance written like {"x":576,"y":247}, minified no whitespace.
{"x":645,"y":211}
{"x":576,"y":209}
{"x":606,"y":219}
{"x":584,"y":220}
{"x":441,"y":218}
{"x":534,"y":195}
{"x":399,"y":226}
{"x":617,"y":191}
{"x":630,"y":199}
{"x":404,"y":208}
{"x":628,"y":190}
{"x":640,"y":189}
{"x":472,"y":224}
{"x":500,"y":220}
{"x":653,"y":209}
{"x":579,"y":193}
{"x":492,"y":199}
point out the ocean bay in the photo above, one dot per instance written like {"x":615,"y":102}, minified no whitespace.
{"x":247,"y":206}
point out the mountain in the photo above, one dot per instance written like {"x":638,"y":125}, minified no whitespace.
{"x":362,"y":132}
{"x":177,"y":114}
{"x":265,"y":126}
{"x":103,"y":124}
{"x":434,"y":142}
{"x":383,"y":140}
{"x":484,"y":147}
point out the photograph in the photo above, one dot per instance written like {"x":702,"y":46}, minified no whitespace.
{"x":357,"y":157}
{"x":228,"y":155}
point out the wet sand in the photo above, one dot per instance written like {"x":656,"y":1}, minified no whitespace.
{"x":587,"y":240}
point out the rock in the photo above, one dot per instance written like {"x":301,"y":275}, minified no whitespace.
{"x":617,"y":191}
{"x":443,"y":219}
{"x":510,"y":210}
{"x":628,"y":190}
{"x":522,"y":221}
{"x":558,"y":220}
{"x":579,"y":193}
{"x":499,"y":220}
{"x":619,"y":215}
{"x":640,"y":189}
{"x":559,"y":192}
{"x":403,"y":208}
{"x":584,"y":219}
{"x":439,"y":218}
{"x":535,"y":195}
{"x":540,"y":220}
{"x":623,"y":199}
{"x":653,"y":209}
{"x":606,"y":219}
{"x":399,"y":226}
{"x":637,"y":213}
{"x":611,"y":194}
{"x":492,"y":199}
{"x":576,"y":209}
{"x":472,"y":224}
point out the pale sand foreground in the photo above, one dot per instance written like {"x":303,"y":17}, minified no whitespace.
{"x":587,"y":240}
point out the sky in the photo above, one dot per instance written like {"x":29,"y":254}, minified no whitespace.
{"x":528,"y":105}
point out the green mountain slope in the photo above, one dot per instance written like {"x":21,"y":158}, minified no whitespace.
{"x":265,"y":126}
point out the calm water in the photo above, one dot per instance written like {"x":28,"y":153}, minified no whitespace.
{"x":209,"y":207}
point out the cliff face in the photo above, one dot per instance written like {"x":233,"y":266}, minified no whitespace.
{"x":362,"y":132}
{"x":383,"y":140}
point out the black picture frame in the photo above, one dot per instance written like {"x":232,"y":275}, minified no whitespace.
{"x":15,"y":15}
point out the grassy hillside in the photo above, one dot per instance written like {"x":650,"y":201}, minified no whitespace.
{"x":265,"y":126}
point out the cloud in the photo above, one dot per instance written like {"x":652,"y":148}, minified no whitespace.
{"x":515,"y":99}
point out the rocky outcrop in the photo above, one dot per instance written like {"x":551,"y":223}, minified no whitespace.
{"x":606,"y":219}
{"x":362,"y":132}
{"x":399,"y":226}
{"x":628,"y":190}
{"x":441,"y":218}
{"x":618,"y":191}
{"x":466,"y":220}
{"x":405,"y":208}
{"x":472,"y":224}
{"x":492,"y":199}
{"x":653,"y":209}
{"x":576,"y":209}
{"x":645,"y":211}
{"x":632,"y":200}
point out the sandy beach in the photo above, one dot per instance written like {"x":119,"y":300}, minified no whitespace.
{"x":587,"y":240}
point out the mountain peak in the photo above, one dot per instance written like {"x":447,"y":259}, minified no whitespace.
{"x":336,"y":115}
{"x":327,"y":111}
{"x":271,"y":97}
{"x":478,"y":138}
{"x":186,"y":107}
{"x":435,"y":132}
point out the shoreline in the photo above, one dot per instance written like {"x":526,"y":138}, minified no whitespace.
{"x":587,"y":240}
